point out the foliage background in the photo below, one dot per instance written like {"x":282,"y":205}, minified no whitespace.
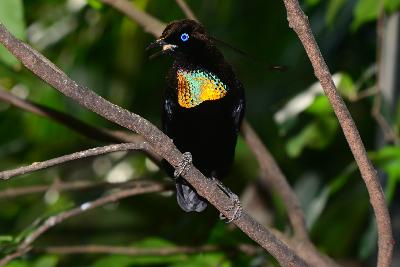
{"x":100,"y":48}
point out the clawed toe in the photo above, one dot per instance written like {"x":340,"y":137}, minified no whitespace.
{"x":183,"y":165}
{"x":234,"y":210}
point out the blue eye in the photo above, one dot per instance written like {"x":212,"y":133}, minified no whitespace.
{"x":184,"y":37}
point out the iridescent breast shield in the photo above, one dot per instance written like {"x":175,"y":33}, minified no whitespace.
{"x":197,"y":86}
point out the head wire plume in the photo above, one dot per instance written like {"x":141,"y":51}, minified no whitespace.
{"x":245,"y":54}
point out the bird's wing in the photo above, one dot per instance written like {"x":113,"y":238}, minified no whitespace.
{"x":169,"y":107}
{"x":238,"y":111}
{"x":238,"y":114}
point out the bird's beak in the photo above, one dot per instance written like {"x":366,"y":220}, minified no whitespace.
{"x":166,"y":47}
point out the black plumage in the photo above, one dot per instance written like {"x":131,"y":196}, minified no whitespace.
{"x":207,"y":129}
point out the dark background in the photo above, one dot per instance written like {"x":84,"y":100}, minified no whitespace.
{"x":100,"y":48}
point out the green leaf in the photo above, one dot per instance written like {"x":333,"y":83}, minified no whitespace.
{"x":17,"y":263}
{"x":365,"y":11}
{"x":219,"y":235}
{"x":46,"y":261}
{"x":308,"y":191}
{"x":340,"y":181}
{"x":318,"y":203}
{"x":295,"y":145}
{"x":386,"y":153}
{"x":347,"y":86}
{"x":5,"y":238}
{"x":151,"y":242}
{"x":392,"y":5}
{"x":314,"y":195}
{"x":115,"y":261}
{"x":126,"y":261}
{"x":320,"y":107}
{"x":334,"y":7}
{"x":388,"y":159}
{"x":312,"y":2}
{"x":202,"y":260}
{"x":316,"y":135}
{"x":368,"y":240}
{"x":12,"y":16}
{"x":391,"y":186}
{"x":96,"y":4}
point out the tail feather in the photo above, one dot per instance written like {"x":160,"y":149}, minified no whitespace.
{"x":188,"y":199}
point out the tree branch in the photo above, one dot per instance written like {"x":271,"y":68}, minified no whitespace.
{"x":298,"y":21}
{"x":147,"y":22}
{"x":129,"y":251}
{"x":140,"y":187}
{"x":14,"y":255}
{"x":63,"y":118}
{"x":133,"y":251}
{"x":275,"y":178}
{"x":5,"y":175}
{"x":58,"y":185}
{"x":207,"y":188}
{"x":186,"y":9}
{"x":95,"y":133}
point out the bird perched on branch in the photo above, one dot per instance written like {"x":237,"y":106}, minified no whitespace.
{"x":203,"y":106}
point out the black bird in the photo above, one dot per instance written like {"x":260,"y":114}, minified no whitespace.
{"x":203,"y":105}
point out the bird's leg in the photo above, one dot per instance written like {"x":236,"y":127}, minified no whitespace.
{"x":236,"y":208}
{"x":184,"y":164}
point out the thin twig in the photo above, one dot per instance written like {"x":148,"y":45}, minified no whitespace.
{"x":307,"y":250}
{"x":62,"y":186}
{"x":298,"y":21}
{"x":186,"y":9}
{"x":275,"y":178}
{"x":207,"y":188}
{"x":59,"y":186}
{"x":129,"y":251}
{"x":63,"y":118}
{"x":148,"y":23}
{"x":140,"y":187}
{"x":5,"y":175}
{"x":92,"y":132}
{"x":133,"y":251}
{"x":14,"y":255}
{"x":363,"y":94}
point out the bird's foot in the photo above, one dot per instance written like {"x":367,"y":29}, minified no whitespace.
{"x":234,"y":210}
{"x":183,"y":165}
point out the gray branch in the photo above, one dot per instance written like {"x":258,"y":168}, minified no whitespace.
{"x":298,"y":21}
{"x":5,"y":175}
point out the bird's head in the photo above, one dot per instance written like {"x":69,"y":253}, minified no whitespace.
{"x":184,"y":38}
